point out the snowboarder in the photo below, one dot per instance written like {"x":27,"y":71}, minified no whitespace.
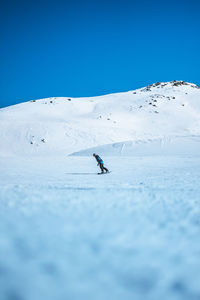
{"x":100,"y":163}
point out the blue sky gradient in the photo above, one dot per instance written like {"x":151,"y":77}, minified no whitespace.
{"x":89,"y":48}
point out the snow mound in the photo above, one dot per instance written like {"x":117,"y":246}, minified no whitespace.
{"x":189,"y":145}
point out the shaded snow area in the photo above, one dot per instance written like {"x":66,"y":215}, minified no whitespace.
{"x":67,"y":233}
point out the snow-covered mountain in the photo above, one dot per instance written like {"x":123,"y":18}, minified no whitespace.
{"x":131,"y":234}
{"x":160,"y":115}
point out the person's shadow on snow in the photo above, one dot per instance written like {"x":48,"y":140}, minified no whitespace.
{"x":81,"y":173}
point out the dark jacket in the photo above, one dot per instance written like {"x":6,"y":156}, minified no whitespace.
{"x":99,"y":160}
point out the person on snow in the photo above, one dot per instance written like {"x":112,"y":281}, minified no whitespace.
{"x":100,"y":163}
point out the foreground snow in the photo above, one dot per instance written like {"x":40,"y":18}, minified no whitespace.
{"x":66,"y":233}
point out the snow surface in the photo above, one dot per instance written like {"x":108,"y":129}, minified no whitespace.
{"x":67,"y":233}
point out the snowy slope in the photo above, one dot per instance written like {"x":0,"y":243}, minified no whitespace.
{"x":61,"y":126}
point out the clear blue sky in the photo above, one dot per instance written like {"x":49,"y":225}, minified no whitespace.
{"x":87,"y":48}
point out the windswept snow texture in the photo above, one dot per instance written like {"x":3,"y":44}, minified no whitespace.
{"x":66,"y":233}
